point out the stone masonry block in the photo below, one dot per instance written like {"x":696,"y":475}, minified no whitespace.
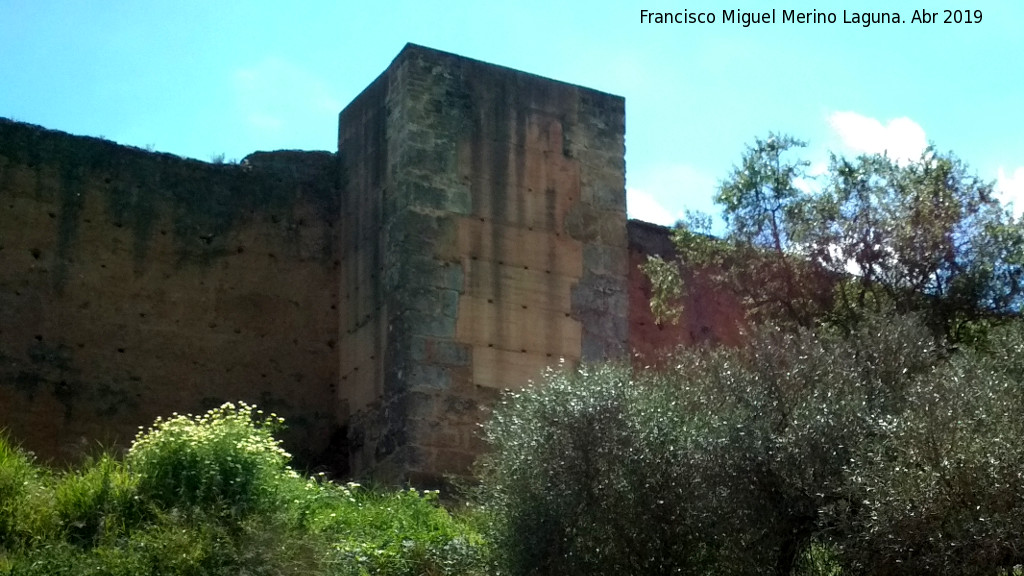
{"x":509,"y":245}
{"x":587,"y":223}
{"x":424,"y":196}
{"x":426,"y":324}
{"x":440,"y":352}
{"x":429,"y":377}
{"x":509,"y":327}
{"x":607,"y":260}
{"x":530,"y":288}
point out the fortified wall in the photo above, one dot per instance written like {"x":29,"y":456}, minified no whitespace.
{"x":470,"y":231}
{"x":134,"y":285}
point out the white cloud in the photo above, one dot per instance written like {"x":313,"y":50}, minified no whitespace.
{"x":643,"y":206}
{"x":1010,"y":188}
{"x":817,"y":169}
{"x":806,"y":185}
{"x":901,"y":138}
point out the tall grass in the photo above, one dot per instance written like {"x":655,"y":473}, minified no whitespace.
{"x":17,"y":475}
{"x":213,"y":494}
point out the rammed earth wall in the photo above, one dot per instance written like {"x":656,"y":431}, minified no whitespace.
{"x":709,"y":316}
{"x":134,"y":285}
{"x":470,"y":232}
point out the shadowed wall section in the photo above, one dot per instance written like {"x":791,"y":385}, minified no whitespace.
{"x":134,"y":285}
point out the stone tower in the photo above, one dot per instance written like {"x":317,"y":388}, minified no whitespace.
{"x":483,"y":238}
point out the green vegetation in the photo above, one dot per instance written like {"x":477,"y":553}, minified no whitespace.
{"x":213,"y":495}
{"x":808,"y":452}
{"x":879,"y":236}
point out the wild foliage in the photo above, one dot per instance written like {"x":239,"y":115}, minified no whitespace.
{"x":940,"y":487}
{"x":808,"y":452}
{"x":226,"y":460}
{"x":878,"y":236}
{"x":213,"y":494}
{"x":589,"y":475}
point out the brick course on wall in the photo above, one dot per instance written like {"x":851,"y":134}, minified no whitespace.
{"x":470,"y":232}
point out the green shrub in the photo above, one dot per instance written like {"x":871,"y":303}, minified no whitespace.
{"x":26,"y":503}
{"x":723,"y":463}
{"x":941,"y":488}
{"x":226,"y":459}
{"x":818,"y":560}
{"x":591,"y":474}
{"x":815,"y":398}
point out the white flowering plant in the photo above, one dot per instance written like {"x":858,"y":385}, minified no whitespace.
{"x":225,"y":460}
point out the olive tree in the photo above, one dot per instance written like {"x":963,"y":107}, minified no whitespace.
{"x":878,"y":236}
{"x":727,"y":461}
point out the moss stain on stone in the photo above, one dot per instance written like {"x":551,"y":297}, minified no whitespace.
{"x":131,"y":205}
{"x":204,"y":202}
{"x":110,"y":400}
{"x":72,"y":200}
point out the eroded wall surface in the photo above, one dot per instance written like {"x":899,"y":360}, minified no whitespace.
{"x":134,"y":285}
{"x":708,"y":316}
{"x":486,"y":208}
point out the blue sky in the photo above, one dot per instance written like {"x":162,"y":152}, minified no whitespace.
{"x":202,"y":78}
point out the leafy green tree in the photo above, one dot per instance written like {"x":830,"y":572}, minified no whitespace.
{"x":762,"y":258}
{"x":925,"y":236}
{"x":807,"y":400}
